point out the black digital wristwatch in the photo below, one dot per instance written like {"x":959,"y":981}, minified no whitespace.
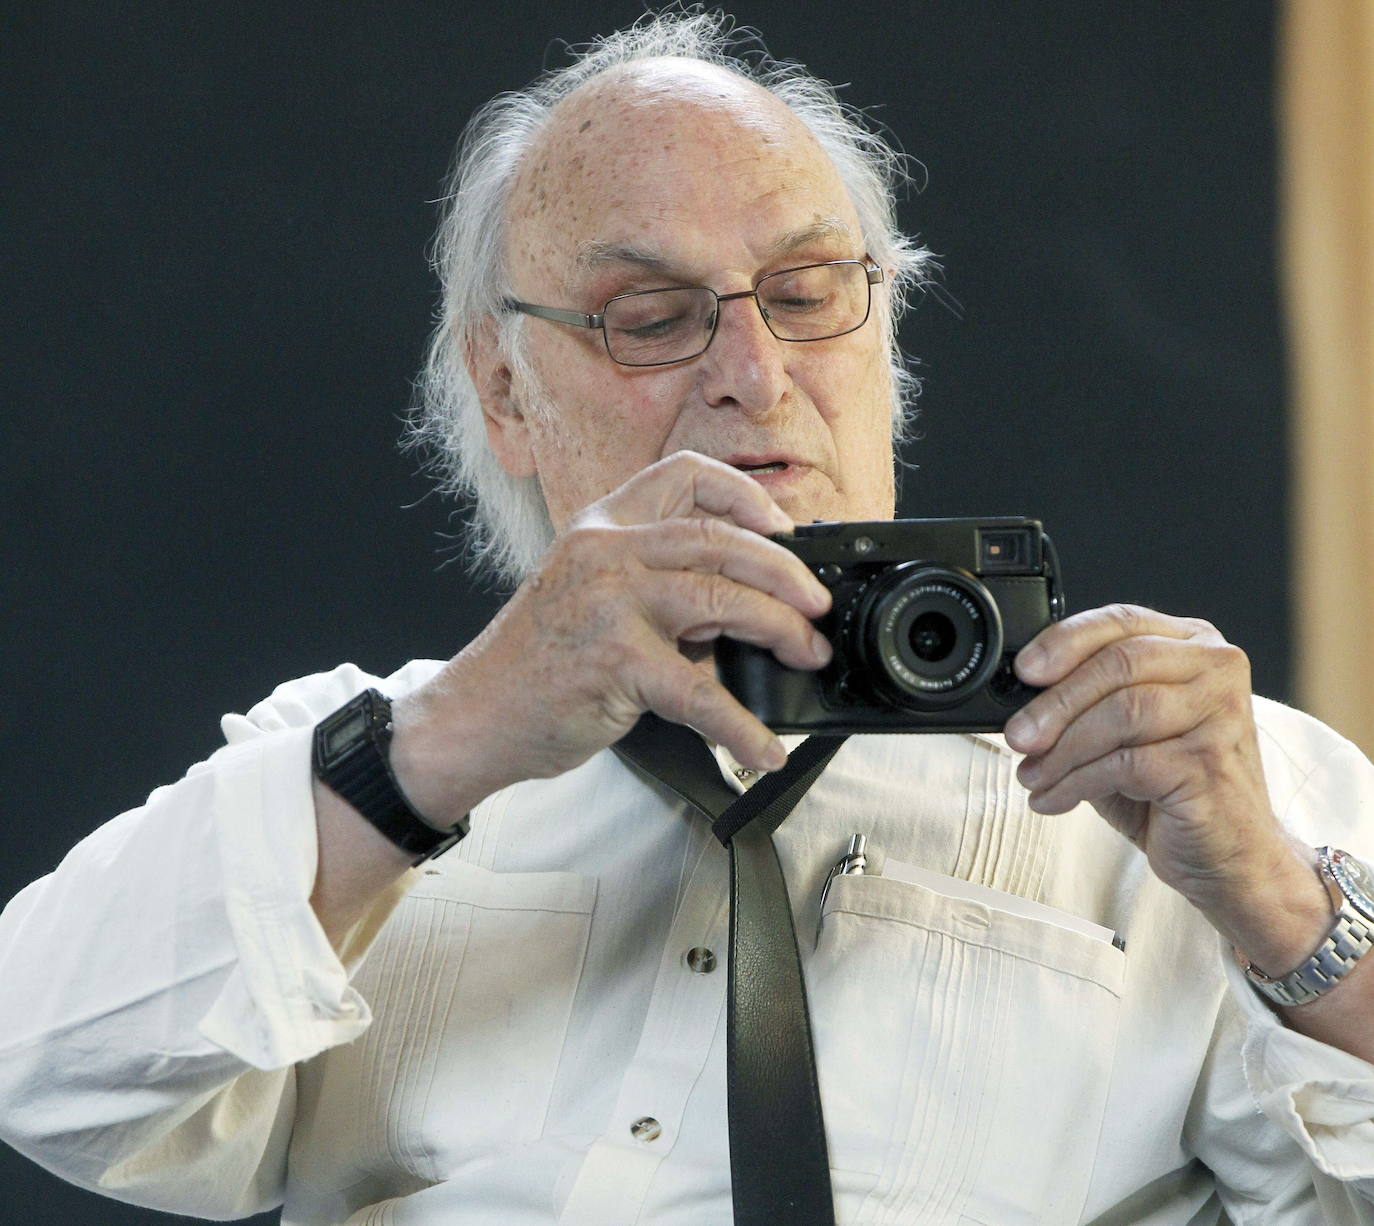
{"x":352,"y":757}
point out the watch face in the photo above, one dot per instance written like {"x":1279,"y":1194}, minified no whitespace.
{"x":337,"y":737}
{"x":1356,"y":880}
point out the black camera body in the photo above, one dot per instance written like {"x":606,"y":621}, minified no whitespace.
{"x":928,"y":615}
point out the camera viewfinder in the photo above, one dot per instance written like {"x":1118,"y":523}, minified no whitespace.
{"x":1004,"y":550}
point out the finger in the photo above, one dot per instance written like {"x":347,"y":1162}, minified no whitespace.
{"x":1138,"y":772}
{"x":684,"y":694}
{"x":1061,"y":647}
{"x":1121,"y":663}
{"x":698,"y":608}
{"x":714,"y":546}
{"x":1136,"y":715}
{"x":687,"y":483}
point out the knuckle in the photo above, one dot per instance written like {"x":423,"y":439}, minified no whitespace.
{"x":1137,"y":706}
{"x":709,"y":533}
{"x":679,"y":461}
{"x":715,"y":596}
{"x":1203,"y":629}
{"x":1058,"y":702}
{"x":698,"y":696}
{"x":1136,"y":766}
{"x":1206,"y":754}
{"x":1117,"y":662}
{"x":1234,"y":660}
{"x":1129,"y":617}
{"x":698,"y":541}
{"x":592,"y":513}
{"x":683,"y":465}
{"x":688,"y":459}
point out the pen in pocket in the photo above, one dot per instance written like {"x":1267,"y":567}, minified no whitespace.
{"x":853,"y":861}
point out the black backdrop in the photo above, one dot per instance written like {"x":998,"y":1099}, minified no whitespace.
{"x":214,"y":219}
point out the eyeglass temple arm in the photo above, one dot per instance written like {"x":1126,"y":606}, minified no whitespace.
{"x":577,"y":318}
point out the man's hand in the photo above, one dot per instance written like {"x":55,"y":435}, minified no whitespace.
{"x":1149,"y":718}
{"x":603,"y":632}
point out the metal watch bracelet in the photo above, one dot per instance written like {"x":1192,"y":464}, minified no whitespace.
{"x":1350,"y":883}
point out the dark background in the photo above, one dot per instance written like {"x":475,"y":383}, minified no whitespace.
{"x":213,"y":228}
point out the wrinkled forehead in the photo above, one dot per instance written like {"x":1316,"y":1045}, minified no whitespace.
{"x":654,"y":155}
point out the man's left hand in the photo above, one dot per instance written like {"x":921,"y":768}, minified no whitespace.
{"x":1149,"y":718}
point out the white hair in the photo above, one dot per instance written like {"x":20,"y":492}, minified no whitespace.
{"x":510,"y":528}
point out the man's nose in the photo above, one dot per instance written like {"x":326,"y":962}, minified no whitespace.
{"x":745,"y":365}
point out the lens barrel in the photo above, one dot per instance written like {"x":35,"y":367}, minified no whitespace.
{"x":927,"y":636}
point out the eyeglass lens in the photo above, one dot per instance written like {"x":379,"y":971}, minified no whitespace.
{"x":655,"y":327}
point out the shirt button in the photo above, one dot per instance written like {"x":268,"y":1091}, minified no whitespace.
{"x":744,"y":774}
{"x":647,"y":1129}
{"x":701,"y":960}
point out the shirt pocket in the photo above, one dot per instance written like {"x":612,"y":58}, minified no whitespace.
{"x":471,"y":985}
{"x":964,"y":1054}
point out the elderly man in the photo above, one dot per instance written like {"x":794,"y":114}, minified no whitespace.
{"x":243,"y":994}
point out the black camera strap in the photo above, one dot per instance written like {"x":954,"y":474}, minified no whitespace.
{"x":779,"y":1163}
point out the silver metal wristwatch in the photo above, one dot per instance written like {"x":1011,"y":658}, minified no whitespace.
{"x":1350,"y":882}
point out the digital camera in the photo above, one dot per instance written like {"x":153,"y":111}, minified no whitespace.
{"x":928,"y":615}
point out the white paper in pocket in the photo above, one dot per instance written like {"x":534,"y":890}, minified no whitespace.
{"x":969,"y":891}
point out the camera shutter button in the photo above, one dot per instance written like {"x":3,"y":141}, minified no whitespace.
{"x":829,"y":573}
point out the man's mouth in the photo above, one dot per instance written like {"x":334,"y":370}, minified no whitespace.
{"x":774,"y":466}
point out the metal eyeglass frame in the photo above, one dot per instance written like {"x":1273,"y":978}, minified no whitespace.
{"x":580,"y":319}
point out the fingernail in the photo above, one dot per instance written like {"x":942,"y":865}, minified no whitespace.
{"x":822,"y":598}
{"x":1030,"y":657}
{"x":1028,"y":772}
{"x":820,"y":648}
{"x":774,"y":756}
{"x":1021,"y":727}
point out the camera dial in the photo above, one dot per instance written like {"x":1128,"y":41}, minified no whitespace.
{"x":927,"y":636}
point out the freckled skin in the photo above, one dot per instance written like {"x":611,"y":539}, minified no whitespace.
{"x":709,"y":171}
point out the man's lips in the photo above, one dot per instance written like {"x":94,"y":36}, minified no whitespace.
{"x":758,"y":464}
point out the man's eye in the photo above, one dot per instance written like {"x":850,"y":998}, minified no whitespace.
{"x":648,"y":328}
{"x":798,"y":305}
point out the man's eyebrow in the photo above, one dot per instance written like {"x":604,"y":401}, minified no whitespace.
{"x":825,"y":227}
{"x":594,"y":253}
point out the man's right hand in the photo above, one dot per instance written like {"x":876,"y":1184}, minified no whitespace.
{"x":604,"y":631}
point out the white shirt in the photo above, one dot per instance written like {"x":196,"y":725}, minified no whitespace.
{"x":175,"y":1029}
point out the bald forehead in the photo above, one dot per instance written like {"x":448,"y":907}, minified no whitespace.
{"x":634,"y":145}
{"x":650,"y":106}
{"x":647,"y":85}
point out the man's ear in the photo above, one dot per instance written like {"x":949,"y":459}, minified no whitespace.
{"x":507,"y":430}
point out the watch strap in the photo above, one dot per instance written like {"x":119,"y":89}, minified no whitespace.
{"x":1351,"y":937}
{"x":356,"y":766}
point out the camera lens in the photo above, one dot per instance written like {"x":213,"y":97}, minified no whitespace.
{"x":932,"y":636}
{"x":927,"y":636}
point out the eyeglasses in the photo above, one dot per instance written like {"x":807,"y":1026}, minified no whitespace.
{"x":655,"y":327}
